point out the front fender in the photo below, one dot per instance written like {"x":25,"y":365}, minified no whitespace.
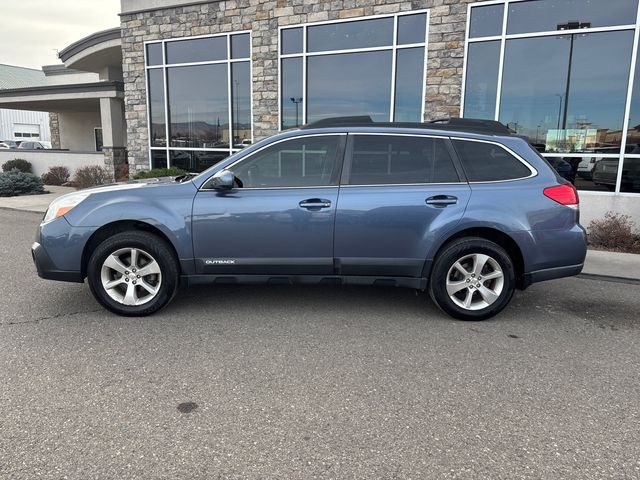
{"x":165,"y":207}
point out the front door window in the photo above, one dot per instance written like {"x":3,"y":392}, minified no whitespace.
{"x":301,"y":162}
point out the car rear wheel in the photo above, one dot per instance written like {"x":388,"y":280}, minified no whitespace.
{"x":472,"y":279}
{"x":133,"y":273}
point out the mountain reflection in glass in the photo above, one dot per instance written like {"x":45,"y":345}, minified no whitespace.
{"x":198,"y":106}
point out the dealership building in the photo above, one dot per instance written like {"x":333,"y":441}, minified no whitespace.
{"x":190,"y":82}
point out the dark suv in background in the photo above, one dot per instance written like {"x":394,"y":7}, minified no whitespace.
{"x":462,"y":208}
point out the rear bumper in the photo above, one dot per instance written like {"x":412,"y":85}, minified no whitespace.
{"x":551,"y":274}
{"x":47,"y":269}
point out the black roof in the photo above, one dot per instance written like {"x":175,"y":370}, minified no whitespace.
{"x":470,"y":125}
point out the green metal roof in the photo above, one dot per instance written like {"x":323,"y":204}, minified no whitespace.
{"x":20,"y":77}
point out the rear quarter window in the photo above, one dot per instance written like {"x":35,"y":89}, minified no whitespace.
{"x":488,"y":162}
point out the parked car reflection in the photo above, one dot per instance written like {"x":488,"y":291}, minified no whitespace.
{"x":563,"y":168}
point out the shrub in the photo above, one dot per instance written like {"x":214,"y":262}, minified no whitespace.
{"x":160,"y":172}
{"x":614,"y":232}
{"x":15,"y":183}
{"x":56,"y":176}
{"x":91,"y":176}
{"x":17,"y":164}
{"x":122,"y":173}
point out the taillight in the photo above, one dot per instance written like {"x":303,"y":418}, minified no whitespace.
{"x":565,"y":194}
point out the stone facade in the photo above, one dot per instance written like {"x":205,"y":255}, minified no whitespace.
{"x":444,"y":62}
{"x":115,"y":158}
{"x":54,"y":127}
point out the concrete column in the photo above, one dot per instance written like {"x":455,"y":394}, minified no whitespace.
{"x":113,"y":136}
{"x":112,"y":115}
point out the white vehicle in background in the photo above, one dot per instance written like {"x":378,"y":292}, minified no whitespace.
{"x":4,"y":146}
{"x":31,"y":146}
{"x":586,"y":166}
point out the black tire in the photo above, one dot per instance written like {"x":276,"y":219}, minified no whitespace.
{"x":148,"y":243}
{"x":445,"y":261}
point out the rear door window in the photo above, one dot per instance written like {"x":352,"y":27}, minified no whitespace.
{"x":397,"y":160}
{"x":489,"y":162}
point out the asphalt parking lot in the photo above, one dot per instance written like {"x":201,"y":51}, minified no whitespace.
{"x":314,"y":382}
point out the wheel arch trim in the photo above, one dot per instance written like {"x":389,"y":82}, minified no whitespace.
{"x":507,"y":241}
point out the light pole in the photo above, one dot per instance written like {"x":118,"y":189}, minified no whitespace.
{"x":297,"y":101}
{"x":562,"y":27}
{"x":538,"y":133}
{"x":236,"y":123}
{"x":560,"y":96}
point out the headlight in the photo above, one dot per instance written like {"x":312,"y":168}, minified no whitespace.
{"x":62,"y":205}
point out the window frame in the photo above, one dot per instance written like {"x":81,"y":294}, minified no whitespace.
{"x":504,"y":36}
{"x":348,"y":159}
{"x":340,"y":160}
{"x":394,"y":47}
{"x":164,"y":68}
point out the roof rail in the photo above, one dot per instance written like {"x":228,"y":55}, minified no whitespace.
{"x":472,"y":125}
{"x":489,"y":125}
{"x":339,"y":122}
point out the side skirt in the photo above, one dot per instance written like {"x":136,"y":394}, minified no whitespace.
{"x":406,"y":282}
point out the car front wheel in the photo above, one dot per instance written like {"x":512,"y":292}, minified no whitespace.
{"x":133,"y":273}
{"x":472,"y":279}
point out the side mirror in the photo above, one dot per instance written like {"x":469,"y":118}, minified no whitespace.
{"x":223,"y":180}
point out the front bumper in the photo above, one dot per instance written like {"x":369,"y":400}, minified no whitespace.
{"x":47,"y":269}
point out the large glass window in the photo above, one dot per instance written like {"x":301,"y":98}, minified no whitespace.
{"x":199,"y":99}
{"x":630,"y":181}
{"x":544,"y":15}
{"x":300,"y":162}
{"x":553,"y":76}
{"x":552,"y":93}
{"x":332,"y":96}
{"x":347,"y":69}
{"x":350,"y":35}
{"x":198,"y":106}
{"x":157,"y":118}
{"x":409,"y":86}
{"x":394,"y":160}
{"x":482,"y":80}
{"x":486,"y":21}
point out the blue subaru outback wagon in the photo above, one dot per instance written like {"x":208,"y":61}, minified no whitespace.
{"x":461,"y":208}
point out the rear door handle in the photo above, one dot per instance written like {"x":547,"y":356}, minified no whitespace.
{"x":441,"y":201}
{"x":315,"y":203}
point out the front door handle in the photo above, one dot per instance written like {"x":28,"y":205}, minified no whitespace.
{"x":441,"y":201}
{"x":315,"y":203}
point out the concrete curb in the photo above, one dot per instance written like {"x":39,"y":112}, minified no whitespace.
{"x":607,"y":278}
{"x":612,"y":265}
{"x":35,"y":203}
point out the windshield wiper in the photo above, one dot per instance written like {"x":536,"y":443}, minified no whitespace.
{"x":185,"y":177}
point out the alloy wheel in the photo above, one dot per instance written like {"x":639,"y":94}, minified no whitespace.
{"x":131,"y":276}
{"x":475,"y":281}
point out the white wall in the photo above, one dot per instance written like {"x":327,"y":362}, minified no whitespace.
{"x":9,"y":118}
{"x":76,"y":130}
{"x":42,"y":160}
{"x":594,"y":206}
{"x":72,"y":77}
